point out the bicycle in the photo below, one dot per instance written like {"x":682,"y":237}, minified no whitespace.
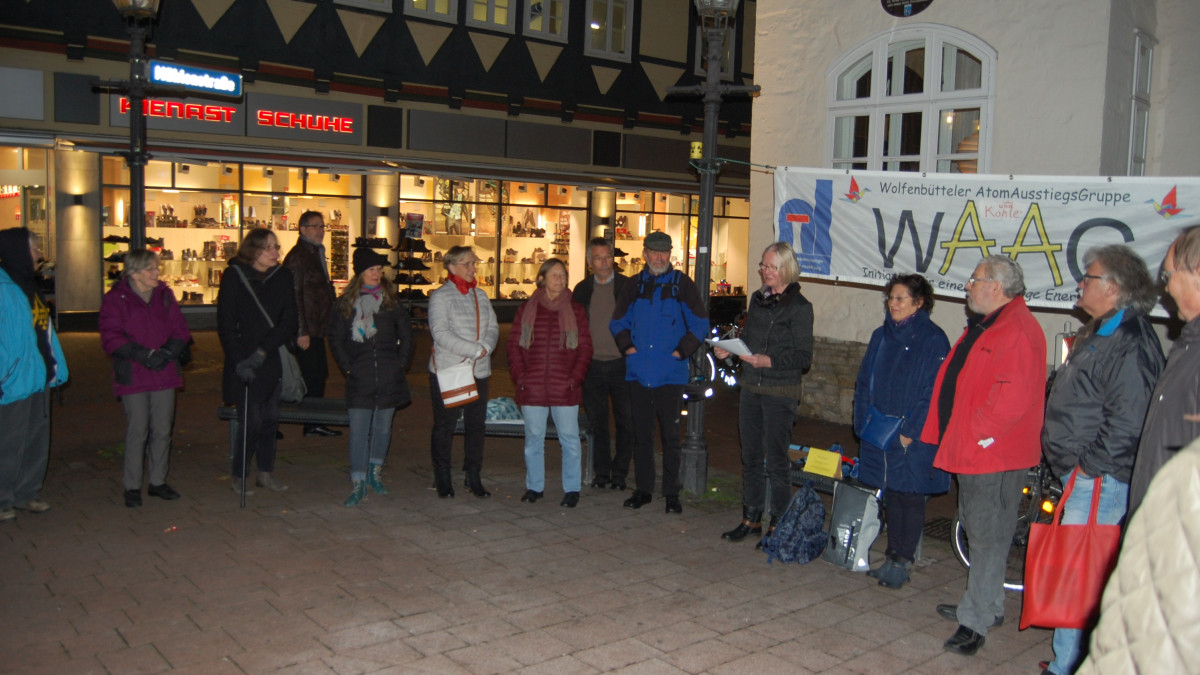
{"x":1038,"y":500}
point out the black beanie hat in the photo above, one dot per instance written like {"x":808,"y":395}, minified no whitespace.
{"x":365,"y":258}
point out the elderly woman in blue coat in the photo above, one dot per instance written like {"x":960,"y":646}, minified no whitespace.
{"x":896,"y":379}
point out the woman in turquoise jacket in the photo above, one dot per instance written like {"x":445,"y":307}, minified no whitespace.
{"x":31,"y":362}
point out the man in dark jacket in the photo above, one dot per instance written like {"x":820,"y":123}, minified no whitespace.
{"x":658,"y":323}
{"x":314,"y":301}
{"x":1098,"y":401}
{"x":1173,"y":419}
{"x":606,"y":376}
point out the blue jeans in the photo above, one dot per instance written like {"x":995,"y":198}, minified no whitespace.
{"x":566,"y":420}
{"x":370,"y":436}
{"x":1114,"y":499}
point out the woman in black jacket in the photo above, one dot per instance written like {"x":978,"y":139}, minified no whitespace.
{"x":251,"y":343}
{"x":779,"y":333}
{"x":371,"y":338}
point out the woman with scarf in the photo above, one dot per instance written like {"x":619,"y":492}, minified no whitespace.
{"x":779,"y":333}
{"x":464,"y":328}
{"x":548,"y":359}
{"x":896,"y":379}
{"x":255,"y":283}
{"x":31,"y":362}
{"x":371,"y":337}
{"x":144,"y":331}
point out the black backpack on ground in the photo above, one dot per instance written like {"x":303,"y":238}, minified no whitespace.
{"x":799,"y":535}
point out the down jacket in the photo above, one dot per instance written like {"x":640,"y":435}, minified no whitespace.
{"x":659,"y":315}
{"x":1149,"y":617}
{"x":780,"y":327}
{"x":452,"y":323}
{"x":23,"y":370}
{"x":374,"y":368}
{"x":159,"y":325}
{"x":998,"y":401}
{"x":548,"y":373}
{"x":1098,"y":401}
{"x":243,"y":328}
{"x":905,"y":359}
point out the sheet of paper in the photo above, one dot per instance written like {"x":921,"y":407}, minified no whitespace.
{"x":824,"y":463}
{"x":734,"y":346}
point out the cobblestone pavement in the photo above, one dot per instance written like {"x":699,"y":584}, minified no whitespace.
{"x":412,"y":583}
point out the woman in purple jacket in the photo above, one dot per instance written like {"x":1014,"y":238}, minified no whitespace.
{"x":143,"y":330}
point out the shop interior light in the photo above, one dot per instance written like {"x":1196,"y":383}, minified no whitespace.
{"x":268,"y":172}
{"x":419,"y":182}
{"x":184,"y":168}
{"x":336,"y":177}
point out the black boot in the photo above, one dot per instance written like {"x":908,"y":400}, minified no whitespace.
{"x":770,"y":531}
{"x":751,"y":524}
{"x":441,"y":478}
{"x":471,"y":480}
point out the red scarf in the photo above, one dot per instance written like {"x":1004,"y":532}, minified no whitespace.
{"x":463,"y":286}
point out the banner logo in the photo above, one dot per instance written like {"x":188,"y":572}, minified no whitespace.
{"x":1167,"y":208}
{"x":814,"y":247}
{"x":854,"y":194}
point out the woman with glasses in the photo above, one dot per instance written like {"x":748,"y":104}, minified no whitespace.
{"x":896,"y":380}
{"x":779,"y":333}
{"x":549,"y":352}
{"x":254,"y":287}
{"x":144,"y":331}
{"x":464,"y":328}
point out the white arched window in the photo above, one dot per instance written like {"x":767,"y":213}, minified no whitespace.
{"x":914,"y":99}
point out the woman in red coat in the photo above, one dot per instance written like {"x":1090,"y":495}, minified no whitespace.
{"x":549,"y":351}
{"x":144,"y":331}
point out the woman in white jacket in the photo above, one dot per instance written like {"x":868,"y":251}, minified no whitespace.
{"x":464,"y":328}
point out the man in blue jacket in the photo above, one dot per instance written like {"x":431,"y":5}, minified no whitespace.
{"x":658,"y":323}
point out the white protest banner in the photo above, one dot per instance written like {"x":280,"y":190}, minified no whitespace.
{"x":866,"y":226}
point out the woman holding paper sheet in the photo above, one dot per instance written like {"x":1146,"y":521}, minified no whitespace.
{"x":779,"y":333}
{"x":896,"y":379}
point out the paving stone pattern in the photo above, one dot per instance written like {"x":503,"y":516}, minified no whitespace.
{"x":409,"y":583}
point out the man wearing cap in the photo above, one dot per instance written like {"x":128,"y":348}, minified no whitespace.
{"x":314,"y":300}
{"x":658,"y":323}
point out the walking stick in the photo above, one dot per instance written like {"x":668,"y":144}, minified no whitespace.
{"x":245,"y":434}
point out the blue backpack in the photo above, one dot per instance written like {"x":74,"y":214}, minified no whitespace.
{"x":799,"y":535}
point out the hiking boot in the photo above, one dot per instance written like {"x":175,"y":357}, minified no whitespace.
{"x":265,"y":480}
{"x":895,"y":572}
{"x":358,"y":494}
{"x":375,"y":479}
{"x":751,"y":524}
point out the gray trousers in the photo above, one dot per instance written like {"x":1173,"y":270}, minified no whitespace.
{"x":987,"y":505}
{"x":24,"y":448}
{"x":149,"y":418}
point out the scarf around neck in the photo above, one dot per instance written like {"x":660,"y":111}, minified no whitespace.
{"x":461,"y":284}
{"x":368,"y":302}
{"x":568,"y":328}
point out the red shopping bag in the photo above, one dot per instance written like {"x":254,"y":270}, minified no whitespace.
{"x":1066,"y":567}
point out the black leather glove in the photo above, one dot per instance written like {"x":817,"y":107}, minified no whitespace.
{"x":158,"y":360}
{"x":246,"y":368}
{"x":134,"y":352}
{"x":173,"y":348}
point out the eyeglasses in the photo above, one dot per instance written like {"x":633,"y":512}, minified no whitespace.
{"x":898,"y":298}
{"x":1098,"y":277}
{"x":974,"y":280}
{"x":319,"y":226}
{"x":1164,"y":276}
{"x":467,"y":263}
{"x":763,"y":266}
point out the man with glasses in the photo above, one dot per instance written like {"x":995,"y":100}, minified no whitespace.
{"x":605,"y":380}
{"x":314,"y":301}
{"x":985,"y":415}
{"x":1173,"y":419}
{"x":1098,"y":401}
{"x":658,"y":323}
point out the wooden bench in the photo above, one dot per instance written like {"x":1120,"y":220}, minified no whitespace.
{"x":333,"y":412}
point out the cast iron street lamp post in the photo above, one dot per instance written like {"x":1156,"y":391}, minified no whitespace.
{"x":139,"y":15}
{"x":714,"y":21}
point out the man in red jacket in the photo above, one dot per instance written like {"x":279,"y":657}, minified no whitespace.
{"x":986,"y":417}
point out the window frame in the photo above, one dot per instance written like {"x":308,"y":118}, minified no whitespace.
{"x":509,"y":27}
{"x":430,"y":12}
{"x":545,"y":33}
{"x":383,"y":6}
{"x":1139,"y":109}
{"x":607,"y":53}
{"x":932,"y":101}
